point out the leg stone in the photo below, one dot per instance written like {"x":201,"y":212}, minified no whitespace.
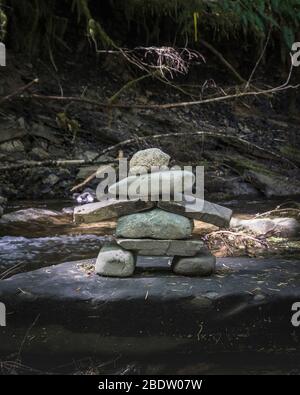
{"x":114,"y":261}
{"x":202,"y":264}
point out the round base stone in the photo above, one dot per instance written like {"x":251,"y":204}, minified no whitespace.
{"x":114,"y":261}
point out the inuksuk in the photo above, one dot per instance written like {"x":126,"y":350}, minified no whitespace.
{"x":156,"y":226}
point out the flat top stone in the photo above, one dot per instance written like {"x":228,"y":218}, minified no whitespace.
{"x":166,"y":182}
{"x":108,"y":209}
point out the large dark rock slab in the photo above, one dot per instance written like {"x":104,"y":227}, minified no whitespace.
{"x":67,"y":309}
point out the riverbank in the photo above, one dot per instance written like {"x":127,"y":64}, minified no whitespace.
{"x":248,"y":146}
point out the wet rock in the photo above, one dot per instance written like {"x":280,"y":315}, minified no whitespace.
{"x":280,"y":227}
{"x":28,"y":215}
{"x":108,"y":209}
{"x":155,"y":224}
{"x":286,"y":227}
{"x":83,"y":313}
{"x":23,"y":254}
{"x":2,"y":205}
{"x":220,"y":186}
{"x":150,"y":247}
{"x":39,"y":153}
{"x":86,"y":171}
{"x":168,"y":183}
{"x":114,"y":261}
{"x":90,"y":155}
{"x":273,"y":184}
{"x":11,"y":147}
{"x":148,"y":158}
{"x":3,"y":200}
{"x":51,"y":180}
{"x":201,"y":210}
{"x":203,"y":264}
{"x":28,"y":221}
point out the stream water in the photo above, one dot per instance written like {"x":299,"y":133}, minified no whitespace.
{"x":34,"y":252}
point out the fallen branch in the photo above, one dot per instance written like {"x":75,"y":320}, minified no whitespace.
{"x":259,"y":59}
{"x":19,"y":91}
{"x":127,"y":86}
{"x":86,"y":180}
{"x":235,"y":234}
{"x":289,"y":212}
{"x":52,"y":163}
{"x":234,"y":242}
{"x":166,"y":106}
{"x":234,"y":140}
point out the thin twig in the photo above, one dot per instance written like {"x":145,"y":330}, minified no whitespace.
{"x":259,"y":59}
{"x":19,"y":91}
{"x":166,"y":106}
{"x":223,"y":60}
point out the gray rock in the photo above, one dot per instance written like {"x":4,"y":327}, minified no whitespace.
{"x":273,"y":184}
{"x":168,"y":183}
{"x":200,"y":210}
{"x":114,"y":261}
{"x":150,"y":247}
{"x":12,"y":146}
{"x":39,"y":153}
{"x":286,"y":227}
{"x":108,"y":209}
{"x":1,"y":211}
{"x":150,"y":314}
{"x":90,"y":155}
{"x":203,"y":264}
{"x":281,"y":227}
{"x":3,"y":200}
{"x":28,"y":215}
{"x":155,"y":224}
{"x":259,"y":226}
{"x":51,"y":180}
{"x":148,"y":158}
{"x":38,"y":222}
{"x":86,"y":171}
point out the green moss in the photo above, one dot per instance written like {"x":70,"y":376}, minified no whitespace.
{"x":242,"y":163}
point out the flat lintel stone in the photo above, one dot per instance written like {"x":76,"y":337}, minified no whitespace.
{"x":201,"y":210}
{"x":108,"y":209}
{"x":150,"y":247}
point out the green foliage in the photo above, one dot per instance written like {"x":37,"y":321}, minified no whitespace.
{"x":39,"y":25}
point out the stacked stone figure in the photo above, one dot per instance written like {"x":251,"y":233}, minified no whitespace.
{"x":154,"y":227}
